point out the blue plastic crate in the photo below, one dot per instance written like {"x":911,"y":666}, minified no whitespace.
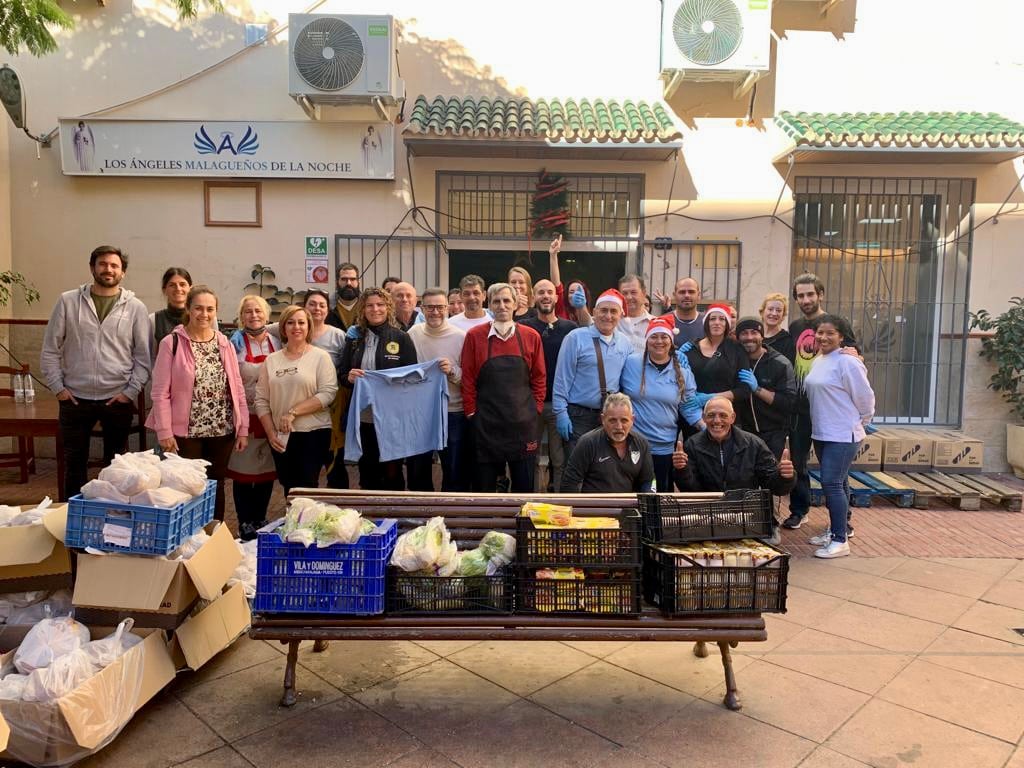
{"x":341,"y":578}
{"x":134,"y":529}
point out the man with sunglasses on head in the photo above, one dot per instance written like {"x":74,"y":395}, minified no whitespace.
{"x":552,"y":330}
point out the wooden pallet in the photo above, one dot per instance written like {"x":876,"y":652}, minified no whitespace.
{"x":994,"y":492}
{"x":865,"y":487}
{"x":930,"y":487}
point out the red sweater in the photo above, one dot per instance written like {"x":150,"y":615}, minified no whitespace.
{"x":474,"y":355}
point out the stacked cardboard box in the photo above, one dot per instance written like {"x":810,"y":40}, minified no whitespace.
{"x":909,"y":449}
{"x":868,"y":458}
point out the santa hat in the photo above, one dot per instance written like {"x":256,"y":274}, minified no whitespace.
{"x":611,"y":296}
{"x":661,"y":325}
{"x":720,"y":309}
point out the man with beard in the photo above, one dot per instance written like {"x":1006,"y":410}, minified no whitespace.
{"x":344,"y":312}
{"x":552,"y":330}
{"x":473,"y":313}
{"x":767,"y":411}
{"x":724,"y":457}
{"x":95,"y":359}
{"x":612,"y":458}
{"x":808,"y":293}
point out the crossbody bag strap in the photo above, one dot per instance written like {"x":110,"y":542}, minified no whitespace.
{"x":600,"y":370}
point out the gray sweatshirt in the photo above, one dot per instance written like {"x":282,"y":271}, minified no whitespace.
{"x":93,"y":361}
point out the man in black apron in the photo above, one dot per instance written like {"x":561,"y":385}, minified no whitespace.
{"x":503,"y":387}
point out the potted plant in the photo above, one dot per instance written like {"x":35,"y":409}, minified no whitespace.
{"x":10,"y":280}
{"x":1005,"y":349}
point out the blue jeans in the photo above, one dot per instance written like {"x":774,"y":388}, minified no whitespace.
{"x":799,"y":451}
{"x":835,"y":460}
{"x":452,"y":461}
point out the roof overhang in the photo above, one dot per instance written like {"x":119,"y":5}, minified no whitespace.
{"x":806,"y":155}
{"x":540,"y":149}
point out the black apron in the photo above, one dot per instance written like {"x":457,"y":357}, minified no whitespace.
{"x":505,"y":424}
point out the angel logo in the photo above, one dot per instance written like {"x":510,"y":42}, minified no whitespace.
{"x":248,"y":145}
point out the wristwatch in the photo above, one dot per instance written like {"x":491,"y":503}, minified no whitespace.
{"x":292,"y":413}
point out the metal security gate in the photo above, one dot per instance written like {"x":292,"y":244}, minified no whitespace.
{"x":414,"y":259}
{"x":895,"y":257}
{"x":714,"y":264}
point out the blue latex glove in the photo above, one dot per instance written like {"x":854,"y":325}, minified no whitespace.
{"x":700,"y":399}
{"x":870,"y":429}
{"x":746,"y":376}
{"x":578,"y":300}
{"x":353,"y":332}
{"x":564,"y":426}
{"x":686,"y":347}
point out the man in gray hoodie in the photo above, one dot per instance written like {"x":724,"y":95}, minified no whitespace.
{"x":96,"y":360}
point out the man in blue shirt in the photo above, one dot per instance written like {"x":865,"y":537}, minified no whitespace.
{"x":589,"y":367}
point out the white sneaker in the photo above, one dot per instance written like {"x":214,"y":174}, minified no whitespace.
{"x":834,"y":549}
{"x":821,"y":540}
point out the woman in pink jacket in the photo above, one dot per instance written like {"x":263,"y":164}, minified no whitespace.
{"x":199,"y":409}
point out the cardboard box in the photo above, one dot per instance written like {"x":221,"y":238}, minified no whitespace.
{"x":34,"y":556}
{"x":211,"y":630}
{"x":905,"y":450}
{"x":155,"y":591}
{"x":868,"y":458}
{"x":955,"y":452}
{"x":71,"y":727}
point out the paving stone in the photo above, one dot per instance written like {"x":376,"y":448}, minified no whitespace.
{"x":248,"y":701}
{"x":992,"y":620}
{"x":801,"y":704}
{"x":627,"y":758}
{"x":242,"y":654}
{"x":1008,"y":592}
{"x":611,"y":701}
{"x":526,"y":666}
{"x":1017,"y":574}
{"x":973,"y":702}
{"x":423,"y":758}
{"x":875,"y":566}
{"x":1017,"y":761}
{"x":839,"y":660}
{"x":823,"y":577}
{"x":823,"y":757}
{"x":807,"y":607}
{"x":779,"y":631}
{"x":884,"y":735}
{"x":708,"y":735}
{"x":225,"y":757}
{"x":674,"y":665}
{"x":526,"y":736}
{"x":341,"y":733}
{"x":999,"y":566}
{"x":978,"y":655}
{"x":436,"y":701}
{"x":355,"y":665}
{"x":596,"y":648}
{"x":168,"y":734}
{"x":879,"y":628}
{"x":945,"y":578}
{"x":913,"y":600}
{"x":445,"y":647}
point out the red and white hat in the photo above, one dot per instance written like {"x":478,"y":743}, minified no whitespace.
{"x":611,"y":296}
{"x":724,"y":310}
{"x":661,"y":325}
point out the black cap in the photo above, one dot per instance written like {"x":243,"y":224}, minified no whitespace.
{"x":749,"y":323}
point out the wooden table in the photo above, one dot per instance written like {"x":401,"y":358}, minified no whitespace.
{"x":40,"y":419}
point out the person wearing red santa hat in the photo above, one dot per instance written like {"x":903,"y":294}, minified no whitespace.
{"x":661,"y":386}
{"x":590,"y":363}
{"x":716,"y":359}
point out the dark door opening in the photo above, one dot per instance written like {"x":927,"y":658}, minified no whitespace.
{"x":598,"y":269}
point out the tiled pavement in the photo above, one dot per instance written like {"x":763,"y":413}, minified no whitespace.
{"x":906,"y":657}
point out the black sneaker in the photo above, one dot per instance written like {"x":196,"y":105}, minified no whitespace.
{"x":793,"y":522}
{"x":849,"y":531}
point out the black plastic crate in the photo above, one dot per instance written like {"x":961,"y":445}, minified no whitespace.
{"x":409,"y":594}
{"x":613,"y":591}
{"x":680,"y":586}
{"x":580,"y":546}
{"x":677,"y":519}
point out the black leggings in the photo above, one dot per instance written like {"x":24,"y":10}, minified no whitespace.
{"x":299,"y":466}
{"x":374,"y":474}
{"x":252,"y":500}
{"x":217,"y":451}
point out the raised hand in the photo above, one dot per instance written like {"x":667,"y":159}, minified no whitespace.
{"x":785,"y":465}
{"x":679,"y":457}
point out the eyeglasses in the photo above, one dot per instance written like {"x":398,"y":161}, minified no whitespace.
{"x":434,"y":307}
{"x":286,"y":371}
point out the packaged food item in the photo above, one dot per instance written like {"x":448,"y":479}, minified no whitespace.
{"x":547,"y":514}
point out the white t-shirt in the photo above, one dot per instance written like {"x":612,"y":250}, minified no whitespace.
{"x":466,"y":323}
{"x":635,"y":329}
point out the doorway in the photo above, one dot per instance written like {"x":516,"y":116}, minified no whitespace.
{"x":598,"y":269}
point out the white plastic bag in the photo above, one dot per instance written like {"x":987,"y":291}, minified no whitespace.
{"x":16,"y":600}
{"x":245,"y":573}
{"x":185,"y":475}
{"x":104,"y":652}
{"x":32,"y":516}
{"x":190,"y":546}
{"x":63,"y":675}
{"x":12,"y":687}
{"x":48,"y":640}
{"x":426,"y":547}
{"x":130,"y":477}
{"x":57,"y":604}
{"x":104,"y":490}
{"x":163,"y":497}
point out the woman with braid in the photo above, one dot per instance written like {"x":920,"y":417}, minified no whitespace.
{"x":659,"y":382}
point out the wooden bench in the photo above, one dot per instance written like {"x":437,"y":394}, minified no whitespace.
{"x":468,"y":517}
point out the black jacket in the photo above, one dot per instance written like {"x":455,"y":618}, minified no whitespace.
{"x":773,"y":372}
{"x":718,"y":373}
{"x":752,"y":465}
{"x":783,"y":343}
{"x":394,"y":349}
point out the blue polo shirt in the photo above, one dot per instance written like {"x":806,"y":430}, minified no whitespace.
{"x":576,"y":377}
{"x":656,"y":411}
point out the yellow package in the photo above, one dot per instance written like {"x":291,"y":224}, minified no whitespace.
{"x":547,"y":514}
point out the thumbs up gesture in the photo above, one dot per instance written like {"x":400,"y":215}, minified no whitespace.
{"x":679,"y":458}
{"x":785,"y":465}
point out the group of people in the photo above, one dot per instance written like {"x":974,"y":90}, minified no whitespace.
{"x":626,"y":401}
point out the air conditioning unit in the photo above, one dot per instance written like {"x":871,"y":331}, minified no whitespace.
{"x":336,"y":59}
{"x":716,"y":40}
